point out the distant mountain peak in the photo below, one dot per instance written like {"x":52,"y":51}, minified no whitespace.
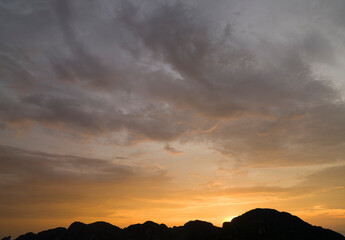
{"x":256,"y":224}
{"x":198,"y":223}
{"x":268,"y":216}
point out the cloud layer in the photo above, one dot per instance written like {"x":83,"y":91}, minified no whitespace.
{"x":167,"y":71}
{"x":34,"y":180}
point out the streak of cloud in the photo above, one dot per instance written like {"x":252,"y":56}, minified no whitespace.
{"x":172,"y":150}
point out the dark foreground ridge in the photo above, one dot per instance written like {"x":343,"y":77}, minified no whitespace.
{"x":257,"y":224}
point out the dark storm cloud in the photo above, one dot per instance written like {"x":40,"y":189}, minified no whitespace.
{"x":167,"y":71}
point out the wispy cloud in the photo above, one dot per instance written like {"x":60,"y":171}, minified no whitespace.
{"x":172,"y":150}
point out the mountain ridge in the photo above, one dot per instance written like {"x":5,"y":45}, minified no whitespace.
{"x":258,"y":224}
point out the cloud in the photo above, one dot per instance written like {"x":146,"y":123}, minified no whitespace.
{"x":168,"y":71}
{"x":27,"y":165}
{"x":48,"y":181}
{"x":172,"y":150}
{"x":328,"y":177}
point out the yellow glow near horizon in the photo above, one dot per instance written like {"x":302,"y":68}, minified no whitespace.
{"x":228,"y":219}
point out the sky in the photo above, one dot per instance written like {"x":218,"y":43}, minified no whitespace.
{"x":133,"y":110}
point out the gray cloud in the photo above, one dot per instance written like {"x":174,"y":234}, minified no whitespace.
{"x":82,"y":66}
{"x":28,"y":166}
{"x":172,"y":150}
{"x":167,"y":71}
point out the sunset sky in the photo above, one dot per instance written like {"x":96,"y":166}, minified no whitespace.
{"x":133,"y":110}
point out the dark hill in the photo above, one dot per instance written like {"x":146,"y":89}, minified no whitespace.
{"x":270,"y":224}
{"x":257,"y":224}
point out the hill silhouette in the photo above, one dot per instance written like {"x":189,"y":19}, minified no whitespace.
{"x":257,"y":224}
